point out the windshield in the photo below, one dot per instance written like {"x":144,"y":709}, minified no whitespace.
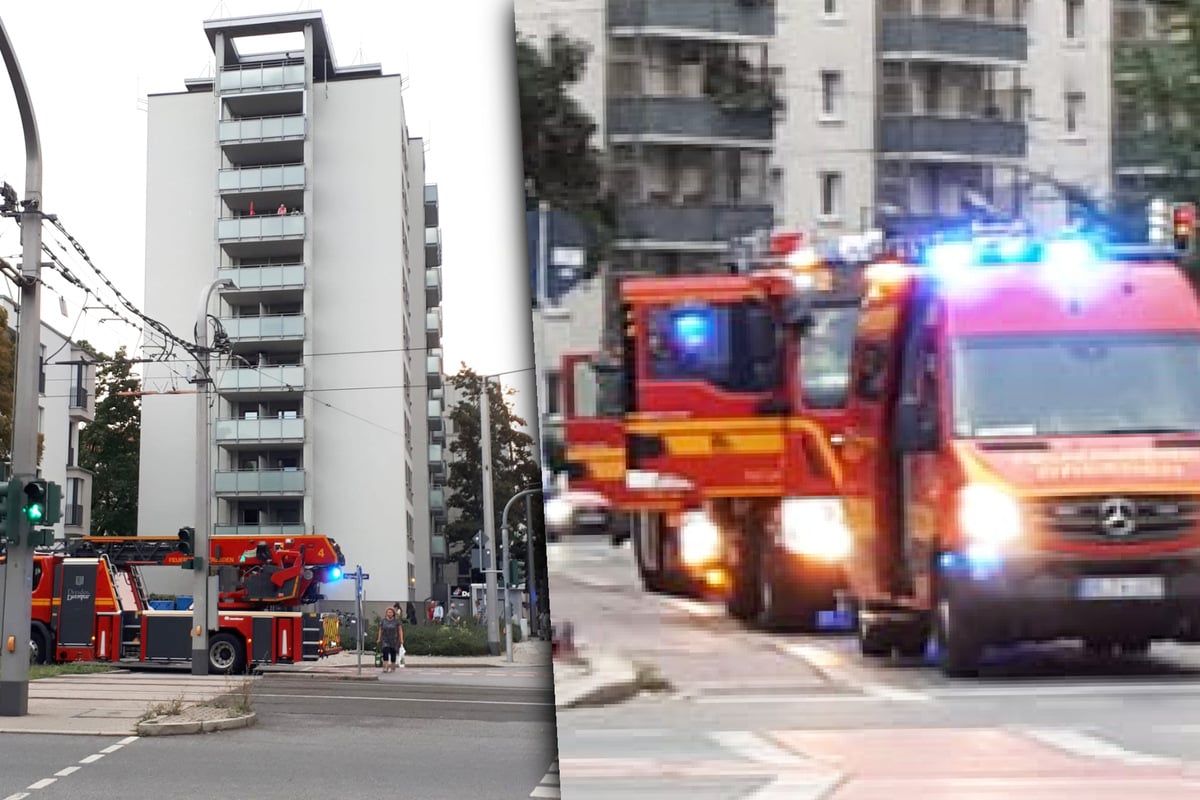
{"x":1061,"y":385}
{"x":825,"y":350}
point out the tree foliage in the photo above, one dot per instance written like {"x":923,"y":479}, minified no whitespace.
{"x":1158,"y":102}
{"x":513,"y":466}
{"x":562,"y":166}
{"x":109,"y":446}
{"x":8,"y":380}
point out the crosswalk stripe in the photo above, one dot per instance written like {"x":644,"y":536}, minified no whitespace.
{"x":796,"y":787}
{"x":752,"y":747}
{"x":1085,"y":744}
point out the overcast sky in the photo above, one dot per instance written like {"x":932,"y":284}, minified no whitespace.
{"x":90,"y":65}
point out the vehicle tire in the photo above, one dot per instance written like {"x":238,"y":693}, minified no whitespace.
{"x":912,"y":639}
{"x":873,"y":638}
{"x":39,"y":647}
{"x":958,"y":646}
{"x":742,"y":601}
{"x":226,"y":654}
{"x":788,"y":604}
{"x":651,"y":578}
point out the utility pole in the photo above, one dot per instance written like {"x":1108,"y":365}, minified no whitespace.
{"x":508,"y":655}
{"x":18,"y":570}
{"x":489,"y":514}
{"x":200,"y":581}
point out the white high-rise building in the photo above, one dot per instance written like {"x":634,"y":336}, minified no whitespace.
{"x":294,"y":177}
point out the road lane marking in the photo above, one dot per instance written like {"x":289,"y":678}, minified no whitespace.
{"x":65,"y":771}
{"x":128,"y":740}
{"x":549,"y":785}
{"x":796,"y":787}
{"x":403,"y":699}
{"x":765,"y":699}
{"x":753,"y":747}
{"x":696,"y":608}
{"x":42,"y":784}
{"x":1084,"y":744}
{"x":836,"y":669}
{"x":92,"y":759}
{"x":112,"y":748}
{"x":17,"y":796}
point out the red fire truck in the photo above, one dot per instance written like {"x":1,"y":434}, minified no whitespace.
{"x":1022,"y":460}
{"x":723,"y":438}
{"x":90,"y":603}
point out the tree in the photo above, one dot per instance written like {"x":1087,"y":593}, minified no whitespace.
{"x":561,"y":165}
{"x":513,"y":469}
{"x":1158,"y":106}
{"x":109,"y":446}
{"x":8,"y":385}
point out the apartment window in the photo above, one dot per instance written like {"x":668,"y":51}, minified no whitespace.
{"x":42,"y":371}
{"x":831,"y":194}
{"x":831,"y":94}
{"x":831,"y":8}
{"x":74,"y":502}
{"x":1074,"y":112}
{"x":553,"y":390}
{"x":1074,"y":10}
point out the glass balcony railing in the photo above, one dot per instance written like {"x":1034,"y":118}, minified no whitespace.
{"x":261,"y":129}
{"x":263,"y":379}
{"x":248,"y":179}
{"x":434,"y":409}
{"x":281,"y":276}
{"x":267,"y":76}
{"x":274,"y":481}
{"x":268,"y":227}
{"x":435,"y":454}
{"x":281,"y":326}
{"x":286,"y":529}
{"x":433,"y":286}
{"x":437,"y":499}
{"x":256,"y":430}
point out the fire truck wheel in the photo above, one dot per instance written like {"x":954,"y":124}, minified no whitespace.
{"x":872,"y":638}
{"x":743,"y":599}
{"x":226,"y":654}
{"x":960,"y":651}
{"x":39,"y":647}
{"x":651,"y":578}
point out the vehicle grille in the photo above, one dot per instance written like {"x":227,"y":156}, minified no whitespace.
{"x":1156,"y":517}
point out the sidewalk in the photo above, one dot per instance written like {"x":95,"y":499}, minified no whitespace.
{"x":121,"y":703}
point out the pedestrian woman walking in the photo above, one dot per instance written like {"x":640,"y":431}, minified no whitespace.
{"x":391,"y":639}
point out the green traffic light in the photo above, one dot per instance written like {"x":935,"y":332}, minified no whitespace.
{"x":35,"y":512}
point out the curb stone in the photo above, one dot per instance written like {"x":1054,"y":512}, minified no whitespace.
{"x":158,"y":727}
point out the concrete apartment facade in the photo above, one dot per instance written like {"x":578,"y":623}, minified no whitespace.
{"x":319,"y":418}
{"x":66,"y":404}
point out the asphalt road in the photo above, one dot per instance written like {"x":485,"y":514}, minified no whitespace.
{"x":398,"y":737}
{"x":771,"y":716}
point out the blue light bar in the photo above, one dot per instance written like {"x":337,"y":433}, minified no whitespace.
{"x":949,"y":259}
{"x":692,"y":330}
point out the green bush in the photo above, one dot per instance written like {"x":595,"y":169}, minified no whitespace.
{"x":468,"y":638}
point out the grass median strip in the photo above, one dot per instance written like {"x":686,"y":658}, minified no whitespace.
{"x":40,"y":671}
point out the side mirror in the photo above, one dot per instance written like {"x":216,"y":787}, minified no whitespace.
{"x":760,"y":336}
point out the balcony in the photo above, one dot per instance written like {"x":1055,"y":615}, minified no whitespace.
{"x":433,"y":286}
{"x":257,"y":179}
{"x":956,"y":38}
{"x":271,"y":379}
{"x":259,"y":482}
{"x":79,"y":405}
{"x":431,"y":206}
{"x":433,"y":247}
{"x":433,"y":370}
{"x":258,"y":284}
{"x":261,"y":77}
{"x":277,"y":327}
{"x":279,"y":235}
{"x":983,"y":138}
{"x":296,"y":529}
{"x":691,"y":224}
{"x":433,"y":327}
{"x":739,"y":17}
{"x":692,"y":117}
{"x":437,"y":502}
{"x":433,"y":414}
{"x":233,"y":431}
{"x":263,"y":140}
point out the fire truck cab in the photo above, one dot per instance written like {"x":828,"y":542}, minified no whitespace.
{"x":1022,"y":459}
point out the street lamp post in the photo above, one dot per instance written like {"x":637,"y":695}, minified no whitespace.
{"x":18,"y":571}
{"x":200,"y":598}
{"x":508,"y":594}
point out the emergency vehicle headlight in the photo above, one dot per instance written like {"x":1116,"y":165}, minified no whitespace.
{"x":557,"y":512}
{"x":335,"y":574}
{"x":699,"y":539}
{"x":989,"y":515}
{"x":815,"y":526}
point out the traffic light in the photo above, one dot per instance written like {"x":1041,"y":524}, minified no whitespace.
{"x":1183,"y":221}
{"x":516,"y":572}
{"x":35,"y":502}
{"x":187,"y":546}
{"x":53,"y":504}
{"x":10,"y":505}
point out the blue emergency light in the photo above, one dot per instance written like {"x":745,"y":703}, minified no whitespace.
{"x":335,"y":574}
{"x":692,"y":329}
